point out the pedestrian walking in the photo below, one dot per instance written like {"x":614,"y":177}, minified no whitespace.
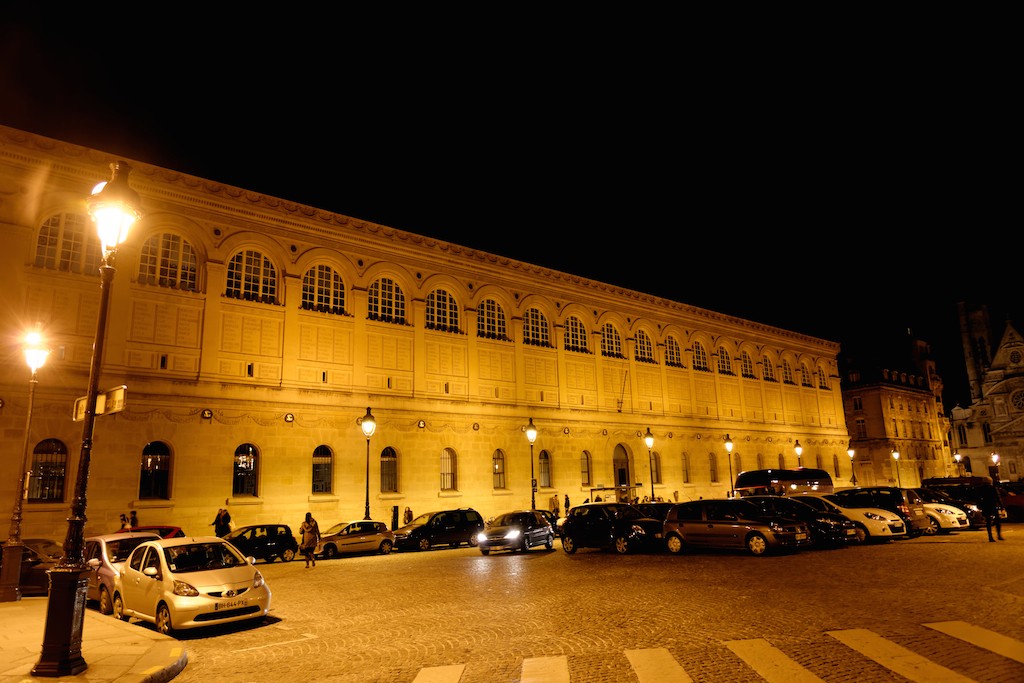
{"x":554,"y":505}
{"x":990,"y":505}
{"x":407,"y":515}
{"x":222,"y":523}
{"x":567,"y":503}
{"x":133,"y":519}
{"x":309,"y":531}
{"x":124,"y":522}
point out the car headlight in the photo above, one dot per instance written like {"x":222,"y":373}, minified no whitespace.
{"x":973,"y":508}
{"x":513,"y":534}
{"x":481,"y":537}
{"x":874,"y":516}
{"x":182,"y":588}
{"x":257,"y":580}
{"x":946,"y":512}
{"x":637,"y":530}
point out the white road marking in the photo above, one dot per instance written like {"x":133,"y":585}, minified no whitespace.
{"x":545,"y":670}
{"x":440,"y":674}
{"x":896,"y":657}
{"x":982,"y":637}
{"x":770,"y":663}
{"x":656,"y":665}
{"x":305,"y":636}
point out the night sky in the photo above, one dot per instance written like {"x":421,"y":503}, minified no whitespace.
{"x":844,"y":196}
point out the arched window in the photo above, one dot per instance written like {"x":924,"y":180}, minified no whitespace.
{"x":585,"y":476}
{"x":713,"y":466}
{"x":822,"y":379}
{"x":442,"y":312}
{"x":167,"y":260}
{"x":449,"y":470}
{"x":389,"y":470}
{"x":251,"y":276}
{"x":544,"y":469}
{"x":576,"y":337}
{"x":768,"y":372}
{"x":49,"y":465}
{"x":805,"y":375}
{"x":68,"y":242}
{"x":700,"y":358}
{"x":490,"y":321}
{"x":787,"y":373}
{"x":673,"y":353}
{"x":535,"y":328}
{"x":247,"y":464}
{"x":611,"y":342}
{"x":760,"y":461}
{"x":724,"y":361}
{"x":323,"y":290}
{"x":386,"y":302}
{"x":644,"y":348}
{"x":656,"y":467}
{"x":323,"y":469}
{"x":747,"y":366}
{"x":155,"y":475}
{"x":782,"y":461}
{"x":498,"y":469}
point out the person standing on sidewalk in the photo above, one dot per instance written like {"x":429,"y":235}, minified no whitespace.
{"x":309,"y":531}
{"x":990,"y":506}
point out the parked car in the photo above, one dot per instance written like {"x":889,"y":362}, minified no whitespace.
{"x":265,"y":542}
{"x":518,"y":530}
{"x":944,"y":518}
{"x":611,"y":526}
{"x":104,"y":555}
{"x":975,"y":517}
{"x":903,"y":501}
{"x":444,"y":527}
{"x":732,"y":524}
{"x":964,"y":489}
{"x":34,"y":579}
{"x":360,"y":536}
{"x":828,"y":529}
{"x":182,"y":583}
{"x":546,"y":514}
{"x":1012,"y":495}
{"x":657,"y":509}
{"x":163,"y":531}
{"x":46,"y":548}
{"x":871,"y":524}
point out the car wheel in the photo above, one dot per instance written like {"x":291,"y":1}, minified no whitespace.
{"x":550,"y":543}
{"x":756,"y":544}
{"x":163,"y":619}
{"x":385,"y":547}
{"x":862,"y":534}
{"x":485,"y":551}
{"x":105,"y":606}
{"x":330,"y":552}
{"x":288,"y":555}
{"x":568,"y":545}
{"x":933,"y":527}
{"x":118,"y":608}
{"x":472,"y":542}
{"x":423,"y":544}
{"x":525,"y":547}
{"x":674,"y":544}
{"x":621,"y":545}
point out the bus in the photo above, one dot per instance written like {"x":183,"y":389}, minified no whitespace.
{"x":779,"y":482}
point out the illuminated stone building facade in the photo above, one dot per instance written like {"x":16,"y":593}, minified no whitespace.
{"x":252,"y":333}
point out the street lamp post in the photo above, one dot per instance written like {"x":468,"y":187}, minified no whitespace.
{"x":369,"y":426}
{"x":531,"y":436}
{"x":10,"y":575}
{"x":649,"y":440}
{"x":853,"y":471}
{"x":959,"y":465}
{"x":115,"y":206}
{"x":896,"y":457}
{"x":728,"y":456}
{"x":799,"y":452}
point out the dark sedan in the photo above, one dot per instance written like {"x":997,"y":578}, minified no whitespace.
{"x":519,"y":530}
{"x":828,"y":529}
{"x":35,"y":579}
{"x":615,"y":526}
{"x":265,"y":542}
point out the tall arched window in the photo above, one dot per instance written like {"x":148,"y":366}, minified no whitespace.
{"x":252,"y":276}
{"x":805,"y":376}
{"x":585,"y":469}
{"x":576,"y":337}
{"x":247,"y":463}
{"x":656,"y":467}
{"x":782,"y":461}
{"x":449,"y":470}
{"x":168,"y":260}
{"x":673,"y":353}
{"x":700,"y":358}
{"x":787,"y":373}
{"x":686,"y":468}
{"x":724,"y":361}
{"x":644,"y":351}
{"x":768,"y":372}
{"x":155,"y":475}
{"x":389,"y":470}
{"x":544,"y":469}
{"x":498,"y":469}
{"x":442,"y":312}
{"x":822,"y":379}
{"x":323,"y":469}
{"x":747,"y":366}
{"x":68,"y":242}
{"x":323,"y":290}
{"x":490,"y":321}
{"x":713,"y":466}
{"x":386,"y":302}
{"x":49,"y":466}
{"x":535,"y":328}
{"x":611,"y":342}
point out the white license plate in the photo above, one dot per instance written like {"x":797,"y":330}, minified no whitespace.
{"x":851,"y":532}
{"x":229,"y":605}
{"x":801,"y":537}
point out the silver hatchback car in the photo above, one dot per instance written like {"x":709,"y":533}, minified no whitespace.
{"x":104,"y":555}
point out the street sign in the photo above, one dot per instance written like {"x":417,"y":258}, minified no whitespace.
{"x":109,"y":401}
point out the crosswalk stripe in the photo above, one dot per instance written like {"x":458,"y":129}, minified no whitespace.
{"x":545,"y":670}
{"x":440,"y":674}
{"x":896,"y":657}
{"x":656,"y":665}
{"x":982,"y":637}
{"x":770,"y":663}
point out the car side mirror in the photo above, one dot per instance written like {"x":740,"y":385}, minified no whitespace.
{"x":94,"y":564}
{"x":151,"y":572}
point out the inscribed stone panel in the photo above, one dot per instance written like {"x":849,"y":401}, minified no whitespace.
{"x":540,"y":369}
{"x":648,"y":383}
{"x":143,"y":324}
{"x":270,"y":337}
{"x":388,"y":351}
{"x":187,"y":327}
{"x":231,"y":332}
{"x":445,"y":358}
{"x":705,"y":390}
{"x":581,"y":375}
{"x":496,"y":364}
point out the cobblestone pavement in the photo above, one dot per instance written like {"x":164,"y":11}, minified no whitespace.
{"x":869,"y":613}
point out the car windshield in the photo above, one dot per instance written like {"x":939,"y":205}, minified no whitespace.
{"x":119,"y":550}
{"x":336,"y":529}
{"x":197,"y":557}
{"x":422,"y":519}
{"x":511,"y":519}
{"x":45,"y":546}
{"x":626,"y":512}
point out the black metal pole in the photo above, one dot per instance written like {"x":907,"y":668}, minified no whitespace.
{"x":366,"y":513}
{"x":10,"y":575}
{"x":650,"y":463}
{"x":61,"y":654}
{"x":533,"y":489}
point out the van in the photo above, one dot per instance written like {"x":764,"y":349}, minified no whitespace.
{"x":442,"y":528}
{"x":904,"y":502}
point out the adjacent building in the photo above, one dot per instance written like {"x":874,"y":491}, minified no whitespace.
{"x":253,"y":334}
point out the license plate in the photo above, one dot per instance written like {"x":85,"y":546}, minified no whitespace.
{"x":851,"y":532}
{"x":801,"y":537}
{"x":229,"y":605}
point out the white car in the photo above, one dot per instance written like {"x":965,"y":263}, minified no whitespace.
{"x":873,"y":524}
{"x":943,"y":519}
{"x":181,"y":583}
{"x":105,"y":554}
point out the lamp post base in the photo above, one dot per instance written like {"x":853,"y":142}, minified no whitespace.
{"x":10,"y":574}
{"x":65,"y":615}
